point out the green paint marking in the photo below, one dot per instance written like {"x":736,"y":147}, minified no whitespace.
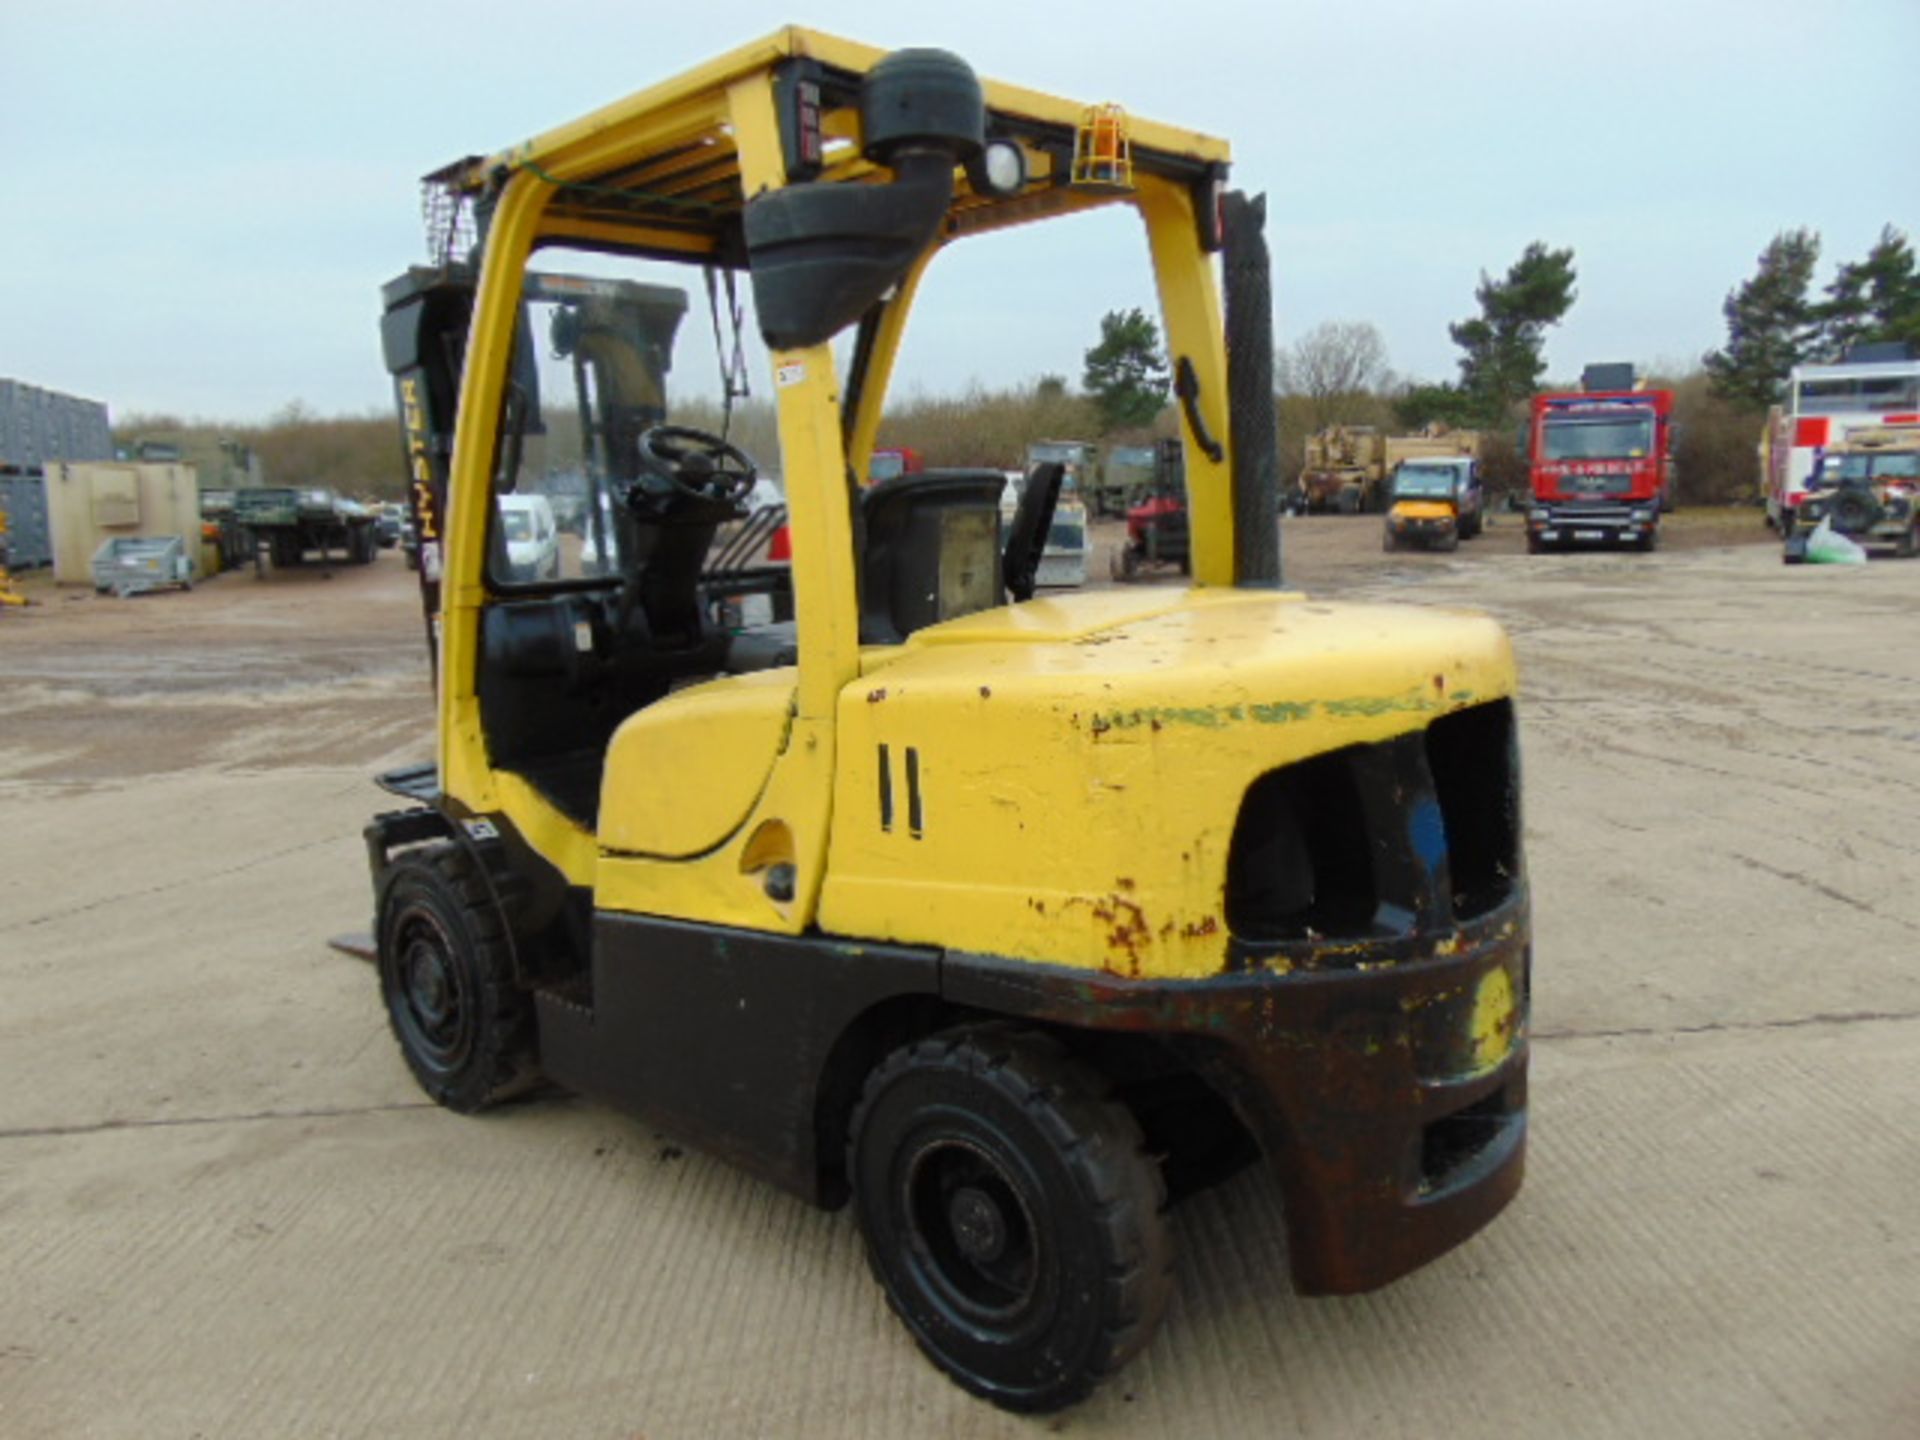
{"x":1282,"y":712}
{"x":1269,"y":712}
{"x":1369,"y":705}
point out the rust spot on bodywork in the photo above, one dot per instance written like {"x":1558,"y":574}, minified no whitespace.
{"x":1199,"y":929}
{"x":874,"y":697}
{"x":1129,"y":930}
{"x":986,"y":692}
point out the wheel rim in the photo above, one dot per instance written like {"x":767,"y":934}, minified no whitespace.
{"x":971,"y":1237}
{"x":431,"y":997}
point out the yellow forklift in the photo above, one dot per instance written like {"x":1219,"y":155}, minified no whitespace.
{"x":1006,"y":919}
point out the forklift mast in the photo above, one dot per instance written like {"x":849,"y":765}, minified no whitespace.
{"x":618,"y":336}
{"x":425,"y":316}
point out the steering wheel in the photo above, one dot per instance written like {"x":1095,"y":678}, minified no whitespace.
{"x":696,"y":465}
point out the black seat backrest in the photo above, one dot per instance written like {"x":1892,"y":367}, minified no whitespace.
{"x":931,"y":551}
{"x":1027,"y":536}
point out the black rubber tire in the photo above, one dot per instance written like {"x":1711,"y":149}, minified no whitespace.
{"x":465,"y":1028}
{"x":1855,"y":512}
{"x":1909,"y":545}
{"x":991,"y":1139}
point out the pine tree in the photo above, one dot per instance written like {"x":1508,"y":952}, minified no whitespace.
{"x":1875,"y":299}
{"x":1126,"y":374}
{"x":1503,"y":363}
{"x":1771,"y":324}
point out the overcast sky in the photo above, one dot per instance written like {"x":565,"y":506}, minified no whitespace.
{"x":201,"y":199}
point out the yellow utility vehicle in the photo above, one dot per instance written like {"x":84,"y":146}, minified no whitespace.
{"x":1002,"y":917}
{"x":1434,"y":502}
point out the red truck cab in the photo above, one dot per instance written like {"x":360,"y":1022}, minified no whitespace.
{"x":1600,"y":460}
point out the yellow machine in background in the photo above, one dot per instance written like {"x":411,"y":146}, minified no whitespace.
{"x":1000,"y":916}
{"x":1434,"y":501}
{"x":8,"y":595}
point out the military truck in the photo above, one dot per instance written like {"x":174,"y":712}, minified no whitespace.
{"x":1342,"y":471}
{"x":1348,"y":466}
{"x":1125,"y":476}
{"x":1867,"y":488}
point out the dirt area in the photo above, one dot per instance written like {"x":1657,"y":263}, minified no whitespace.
{"x":227,"y":1210}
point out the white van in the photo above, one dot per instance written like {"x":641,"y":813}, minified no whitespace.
{"x":530,"y":537}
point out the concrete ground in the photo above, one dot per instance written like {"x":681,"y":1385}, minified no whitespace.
{"x":226,"y":1211}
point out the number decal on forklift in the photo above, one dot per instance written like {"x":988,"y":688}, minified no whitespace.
{"x":785,"y":375}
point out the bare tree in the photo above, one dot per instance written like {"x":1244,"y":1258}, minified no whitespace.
{"x":1337,"y":368}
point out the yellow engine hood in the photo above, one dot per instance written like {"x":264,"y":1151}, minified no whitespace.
{"x":1059,"y":781}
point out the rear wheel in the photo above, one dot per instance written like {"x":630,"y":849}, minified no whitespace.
{"x":1010,"y":1214}
{"x":446,"y":975}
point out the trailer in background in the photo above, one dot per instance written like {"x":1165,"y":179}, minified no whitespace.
{"x":293,"y":523}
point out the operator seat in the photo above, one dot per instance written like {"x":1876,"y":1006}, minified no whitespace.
{"x":931,"y":551}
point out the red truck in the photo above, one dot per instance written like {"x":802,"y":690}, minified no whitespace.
{"x":1601,"y":462}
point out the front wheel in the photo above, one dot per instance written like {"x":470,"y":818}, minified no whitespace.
{"x":1010,"y":1213}
{"x":446,"y":975}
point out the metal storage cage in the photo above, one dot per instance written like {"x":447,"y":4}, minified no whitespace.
{"x":133,"y":564}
